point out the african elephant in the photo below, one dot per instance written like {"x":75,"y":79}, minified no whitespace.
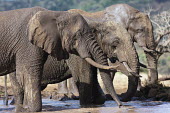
{"x":125,"y":50}
{"x":28,"y":36}
{"x":139,"y":27}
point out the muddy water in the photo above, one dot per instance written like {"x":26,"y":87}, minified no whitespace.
{"x":72,"y":106}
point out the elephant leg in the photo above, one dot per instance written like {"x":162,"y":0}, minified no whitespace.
{"x":139,"y":84}
{"x":72,"y":88}
{"x":88,"y":87}
{"x":132,"y":88}
{"x":98,"y":94}
{"x":29,"y":70}
{"x":62,"y":91}
{"x":82,"y":73}
{"x":62,"y":87}
{"x":132,"y":84}
{"x":43,"y":86}
{"x":32,"y":93}
{"x":17,"y":89}
{"x":6,"y":93}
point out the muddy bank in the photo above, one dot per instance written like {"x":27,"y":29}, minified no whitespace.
{"x":154,"y":92}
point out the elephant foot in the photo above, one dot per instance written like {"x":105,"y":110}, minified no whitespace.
{"x":123,"y":97}
{"x":99,"y":99}
{"x":73,"y":96}
{"x":20,"y":108}
{"x":108,"y":97}
{"x":61,"y":97}
{"x":12,"y":101}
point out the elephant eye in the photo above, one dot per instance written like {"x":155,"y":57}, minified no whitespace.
{"x":140,"y":30}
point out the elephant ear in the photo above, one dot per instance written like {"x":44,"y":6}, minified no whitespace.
{"x":43,"y":32}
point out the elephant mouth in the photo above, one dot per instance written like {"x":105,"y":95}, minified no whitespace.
{"x":95,"y":64}
{"x":124,"y":68}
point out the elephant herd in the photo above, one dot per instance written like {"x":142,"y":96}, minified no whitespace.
{"x":44,"y":47}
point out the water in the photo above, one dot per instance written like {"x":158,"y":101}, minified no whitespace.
{"x":71,"y":106}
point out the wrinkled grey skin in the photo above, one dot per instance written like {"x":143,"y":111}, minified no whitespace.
{"x":51,"y":32}
{"x":140,"y":28}
{"x":122,"y":46}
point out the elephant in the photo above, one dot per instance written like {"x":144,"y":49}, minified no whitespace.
{"x":28,"y":36}
{"x":139,"y":26}
{"x":130,"y":58}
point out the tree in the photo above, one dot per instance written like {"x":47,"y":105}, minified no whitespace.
{"x":161,"y":24}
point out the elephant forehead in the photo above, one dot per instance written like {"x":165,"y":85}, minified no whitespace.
{"x":118,"y":28}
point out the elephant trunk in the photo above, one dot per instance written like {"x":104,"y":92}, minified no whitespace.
{"x":152,"y":61}
{"x":152,"y":57}
{"x":101,"y":58}
{"x":130,"y":58}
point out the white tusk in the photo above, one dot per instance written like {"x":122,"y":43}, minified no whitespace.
{"x":95,"y":64}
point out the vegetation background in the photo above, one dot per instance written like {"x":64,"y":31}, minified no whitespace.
{"x":97,"y":5}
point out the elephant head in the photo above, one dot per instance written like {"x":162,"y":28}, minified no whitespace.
{"x":141,"y":30}
{"x":60,"y":33}
{"x":116,"y":41}
{"x":111,"y":37}
{"x":137,"y":24}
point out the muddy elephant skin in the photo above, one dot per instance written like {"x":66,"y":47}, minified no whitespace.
{"x":28,"y":36}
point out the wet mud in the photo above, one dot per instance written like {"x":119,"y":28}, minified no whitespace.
{"x":73,"y":106}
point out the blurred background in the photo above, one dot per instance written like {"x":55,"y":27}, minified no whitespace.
{"x":158,"y":6}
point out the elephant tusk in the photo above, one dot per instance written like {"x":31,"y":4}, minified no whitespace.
{"x":130,"y":70}
{"x":127,"y":67}
{"x":95,"y":64}
{"x":142,"y":65}
{"x":146,"y":49}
